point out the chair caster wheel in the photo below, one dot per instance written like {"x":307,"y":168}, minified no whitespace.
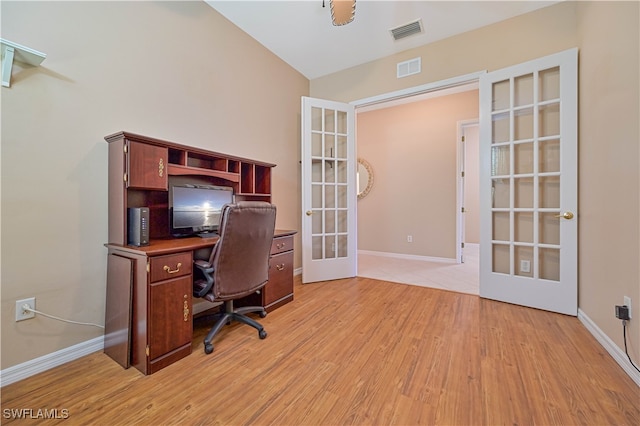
{"x":262,"y":314}
{"x":262,"y":334}
{"x":208,"y":348}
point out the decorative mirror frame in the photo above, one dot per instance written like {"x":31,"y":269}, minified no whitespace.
{"x":367,"y":166}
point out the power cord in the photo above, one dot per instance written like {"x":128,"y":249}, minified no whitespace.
{"x":29,"y":309}
{"x":624,"y":334}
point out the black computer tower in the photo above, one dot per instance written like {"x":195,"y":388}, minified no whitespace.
{"x":138,"y":226}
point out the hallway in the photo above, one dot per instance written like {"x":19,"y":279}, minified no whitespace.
{"x":462,"y":278}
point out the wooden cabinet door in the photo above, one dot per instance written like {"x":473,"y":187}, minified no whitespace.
{"x":117,"y":322}
{"x":280,"y":282}
{"x":147,"y":166}
{"x":170,"y":315}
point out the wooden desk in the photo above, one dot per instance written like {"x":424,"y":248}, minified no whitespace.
{"x":149,"y":310}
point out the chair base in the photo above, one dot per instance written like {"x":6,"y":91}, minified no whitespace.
{"x":227,"y":315}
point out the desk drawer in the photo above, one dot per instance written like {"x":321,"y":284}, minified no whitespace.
{"x":170,"y":266}
{"x":280,"y":278}
{"x":282,"y":244}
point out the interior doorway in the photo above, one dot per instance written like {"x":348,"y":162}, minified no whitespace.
{"x":431,"y":271}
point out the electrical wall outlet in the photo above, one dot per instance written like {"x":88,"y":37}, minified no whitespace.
{"x":21,"y":314}
{"x":409,"y":238}
{"x":525,"y":266}
{"x":627,"y":301}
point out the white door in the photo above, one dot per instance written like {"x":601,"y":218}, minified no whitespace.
{"x":328,"y":191}
{"x":528,"y":183}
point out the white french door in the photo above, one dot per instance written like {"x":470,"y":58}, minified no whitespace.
{"x":528,"y":183}
{"x":328,"y":190}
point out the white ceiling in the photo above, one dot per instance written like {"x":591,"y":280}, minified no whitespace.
{"x":301,"y":33}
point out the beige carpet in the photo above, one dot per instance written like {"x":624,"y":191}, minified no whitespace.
{"x":460,"y":277}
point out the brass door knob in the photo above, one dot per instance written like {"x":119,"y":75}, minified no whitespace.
{"x":565,"y":215}
{"x":309,"y":212}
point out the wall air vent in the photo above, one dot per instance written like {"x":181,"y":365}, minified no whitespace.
{"x":406,"y":30}
{"x":410,"y":67}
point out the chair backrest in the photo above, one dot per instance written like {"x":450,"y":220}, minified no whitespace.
{"x":241,"y":257}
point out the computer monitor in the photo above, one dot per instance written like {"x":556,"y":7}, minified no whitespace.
{"x":196,"y":209}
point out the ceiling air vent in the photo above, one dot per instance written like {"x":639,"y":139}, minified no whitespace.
{"x":407,"y":30}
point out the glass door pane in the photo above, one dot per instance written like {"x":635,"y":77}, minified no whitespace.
{"x":525,"y":170}
{"x":329,"y":189}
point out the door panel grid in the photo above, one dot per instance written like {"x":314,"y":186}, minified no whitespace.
{"x":528,"y":241}
{"x":329,"y":196}
{"x":525,"y":110}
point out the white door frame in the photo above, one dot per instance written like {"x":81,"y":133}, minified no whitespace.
{"x":461,"y":162}
{"x":462,"y":80}
{"x":419,"y":90}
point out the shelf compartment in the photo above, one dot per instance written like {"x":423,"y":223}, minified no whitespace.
{"x":262,"y":181}
{"x":177,"y":156}
{"x":247,"y":182}
{"x":176,"y":170}
{"x":203,"y":161}
{"x":233,"y":166}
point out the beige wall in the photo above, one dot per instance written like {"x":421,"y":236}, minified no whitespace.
{"x":172,"y":70}
{"x":412,"y":149}
{"x":607,"y":35}
{"x":609,"y":164}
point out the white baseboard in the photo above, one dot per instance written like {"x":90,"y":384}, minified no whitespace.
{"x":49,"y":361}
{"x":408,"y":256}
{"x":616,"y":353}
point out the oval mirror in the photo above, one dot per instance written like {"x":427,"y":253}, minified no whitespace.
{"x":364,"y":178}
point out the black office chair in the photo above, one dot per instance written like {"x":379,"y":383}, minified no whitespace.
{"x":239,"y":263}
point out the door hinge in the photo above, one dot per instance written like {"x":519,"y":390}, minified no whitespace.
{"x":462,"y":245}
{"x":125,"y":177}
{"x":462,"y":210}
{"x":462,"y":174}
{"x":463,"y":139}
{"x":147,"y":350}
{"x":124,"y":148}
{"x":148,"y":267}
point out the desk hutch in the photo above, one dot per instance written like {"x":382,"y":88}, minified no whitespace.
{"x":149,"y":308}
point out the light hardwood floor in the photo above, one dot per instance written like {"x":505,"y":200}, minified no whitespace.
{"x":359,"y":351}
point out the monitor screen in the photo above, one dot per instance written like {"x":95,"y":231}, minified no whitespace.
{"x":197,"y":208}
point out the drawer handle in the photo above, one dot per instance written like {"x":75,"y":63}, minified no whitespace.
{"x":280,"y":267}
{"x":160,"y":167}
{"x":280,"y":245}
{"x":186,"y":309}
{"x":169,"y":271}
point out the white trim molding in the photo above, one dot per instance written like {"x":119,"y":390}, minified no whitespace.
{"x":49,"y":361}
{"x":408,"y":256}
{"x":453,"y":82}
{"x":616,"y":353}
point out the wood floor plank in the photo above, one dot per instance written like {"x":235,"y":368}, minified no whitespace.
{"x":358,"y":351}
